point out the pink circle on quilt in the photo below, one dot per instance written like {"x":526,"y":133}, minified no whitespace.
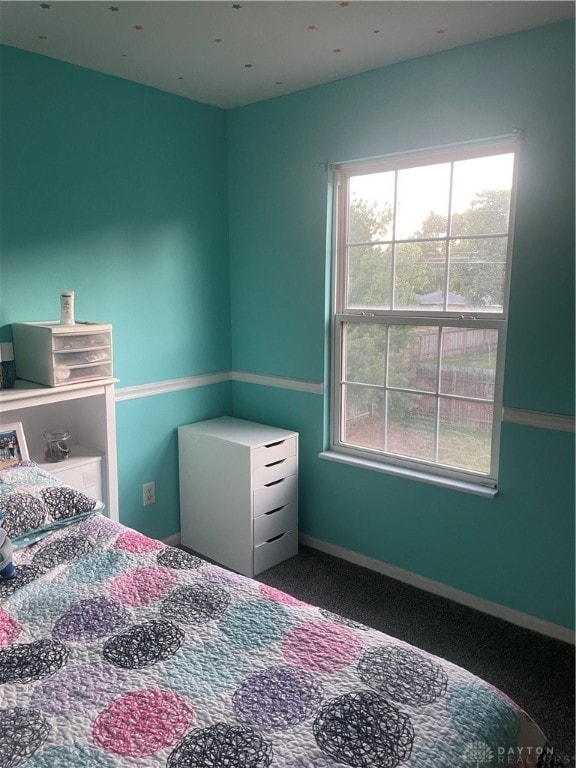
{"x":141,"y":586}
{"x":321,"y":646}
{"x":141,"y":723}
{"x":271,"y":593}
{"x":132,"y":541}
{"x":9,"y":628}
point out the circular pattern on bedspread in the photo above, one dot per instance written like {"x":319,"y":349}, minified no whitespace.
{"x":217,"y":575}
{"x":277,"y":698}
{"x":143,"y":645}
{"x":321,"y":646}
{"x":71,"y":757}
{"x":132,"y":541}
{"x":22,"y":732}
{"x":64,"y":550}
{"x":196,"y":604}
{"x":22,"y":513}
{"x":222,"y":745}
{"x":99,"y":566}
{"x":479,"y":713}
{"x":90,"y":620}
{"x":25,"y":573}
{"x":26,"y":662}
{"x":64,"y":502}
{"x":99,"y":528}
{"x":277,"y":596}
{"x":74,"y":689}
{"x":170,"y":557}
{"x":9,"y":628}
{"x":363,"y":729}
{"x":255,"y":623}
{"x":140,"y":586}
{"x":45,"y":602}
{"x":403,"y":675}
{"x":337,"y":619}
{"x":141,"y":723}
{"x":205,"y":670}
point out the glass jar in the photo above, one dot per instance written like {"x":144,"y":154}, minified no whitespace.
{"x":57,"y":448}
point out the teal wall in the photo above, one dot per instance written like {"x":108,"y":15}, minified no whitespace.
{"x":517,"y":549}
{"x":119,"y":192}
{"x":201,"y":236}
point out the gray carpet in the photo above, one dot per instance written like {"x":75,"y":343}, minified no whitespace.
{"x":535,"y":671}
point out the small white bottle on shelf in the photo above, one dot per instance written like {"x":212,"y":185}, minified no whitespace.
{"x":67,"y":308}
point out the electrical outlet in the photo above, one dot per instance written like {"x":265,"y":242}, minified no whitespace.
{"x":148,"y":493}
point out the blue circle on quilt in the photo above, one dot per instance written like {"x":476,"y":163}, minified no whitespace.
{"x":479,"y":713}
{"x":90,"y":620}
{"x":99,"y":566}
{"x":64,"y":550}
{"x":277,"y":698}
{"x":205,"y":671}
{"x":71,"y":757}
{"x":22,"y":733}
{"x":44,"y":602}
{"x":255,"y":623}
{"x":143,"y":645}
{"x":26,"y":662}
{"x":75,"y":688}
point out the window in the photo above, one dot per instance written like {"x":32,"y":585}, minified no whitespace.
{"x":422,"y":256}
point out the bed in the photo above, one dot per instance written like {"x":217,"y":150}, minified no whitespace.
{"x":118,"y":651}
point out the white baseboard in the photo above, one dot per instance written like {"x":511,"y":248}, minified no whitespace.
{"x":172,"y":541}
{"x":437,"y":588}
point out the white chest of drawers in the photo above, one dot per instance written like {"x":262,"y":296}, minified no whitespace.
{"x":239,"y":492}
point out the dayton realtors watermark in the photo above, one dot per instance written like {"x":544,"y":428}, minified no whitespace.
{"x":482,"y":755}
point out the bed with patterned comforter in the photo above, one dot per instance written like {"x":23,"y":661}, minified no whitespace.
{"x":119,"y":651}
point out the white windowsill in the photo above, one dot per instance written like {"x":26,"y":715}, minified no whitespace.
{"x":411,"y":474}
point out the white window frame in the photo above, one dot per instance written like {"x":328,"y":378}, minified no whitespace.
{"x":476,"y":482}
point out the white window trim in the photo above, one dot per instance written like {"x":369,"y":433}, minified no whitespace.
{"x":458,"y":479}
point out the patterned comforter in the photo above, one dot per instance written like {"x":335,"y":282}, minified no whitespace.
{"x":119,"y":651}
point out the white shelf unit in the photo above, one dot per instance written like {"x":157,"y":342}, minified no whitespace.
{"x":239,"y":492}
{"x":87,"y":409}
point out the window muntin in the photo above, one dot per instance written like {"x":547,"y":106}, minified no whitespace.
{"x":422,"y":265}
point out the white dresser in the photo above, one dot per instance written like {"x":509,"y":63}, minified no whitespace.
{"x":239,"y":492}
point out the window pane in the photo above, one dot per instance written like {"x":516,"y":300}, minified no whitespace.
{"x":481,"y":194}
{"x":469,"y":362}
{"x":477,"y":274}
{"x":413,"y":360}
{"x":369,"y":277}
{"x":411,"y":425}
{"x":420,"y":276}
{"x":422,"y":203}
{"x":370,"y":207}
{"x":365,"y":357}
{"x":363,"y":417}
{"x":465,"y":434}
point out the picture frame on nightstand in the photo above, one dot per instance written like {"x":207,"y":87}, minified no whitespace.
{"x":13,"y":446}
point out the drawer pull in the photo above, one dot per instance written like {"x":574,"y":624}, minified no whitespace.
{"x":273,"y":511}
{"x":275,"y":463}
{"x":272,"y":445}
{"x":275,"y":538}
{"x":274,"y":482}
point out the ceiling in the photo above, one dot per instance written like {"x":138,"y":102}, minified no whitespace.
{"x":228,"y":53}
